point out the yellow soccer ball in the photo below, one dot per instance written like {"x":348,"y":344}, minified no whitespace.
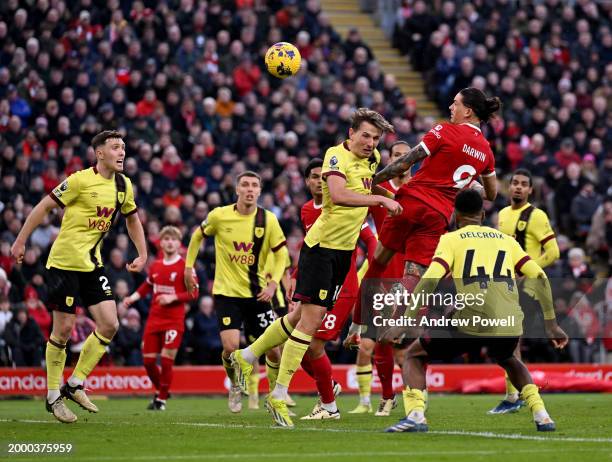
{"x":283,"y":60}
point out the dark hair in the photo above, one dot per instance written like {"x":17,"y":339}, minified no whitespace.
{"x":482,"y":106}
{"x":100,"y":138}
{"x":363,"y":114}
{"x":522,"y":172}
{"x":249,"y":173}
{"x":468,"y":202}
{"x":398,"y":143}
{"x":314,"y":163}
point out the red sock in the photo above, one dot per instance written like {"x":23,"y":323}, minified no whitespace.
{"x":323,"y":377}
{"x":150,"y":365}
{"x":375,"y":271}
{"x":383,"y":359}
{"x":166,"y":377}
{"x":307,"y":365}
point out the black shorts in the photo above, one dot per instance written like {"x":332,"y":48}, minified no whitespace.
{"x":321,"y":273}
{"x":234,"y":313}
{"x":446,"y":349}
{"x":67,"y":289}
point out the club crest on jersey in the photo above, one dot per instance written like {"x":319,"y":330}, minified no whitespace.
{"x":322,"y":294}
{"x":227,"y":320}
{"x":521,"y":225}
{"x":121,"y":196}
{"x":69,"y":301}
{"x":259,"y":232}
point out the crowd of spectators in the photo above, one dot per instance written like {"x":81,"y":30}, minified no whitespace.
{"x":550,"y":62}
{"x":184,"y":81}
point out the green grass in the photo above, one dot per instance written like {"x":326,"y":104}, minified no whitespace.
{"x":203,"y":429}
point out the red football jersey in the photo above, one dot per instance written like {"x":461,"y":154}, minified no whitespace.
{"x":457,"y":153}
{"x":378,"y":212}
{"x":166,"y":277}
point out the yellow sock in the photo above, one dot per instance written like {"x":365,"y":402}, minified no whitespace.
{"x":253,"y":385}
{"x":426,"y":398}
{"x":55,"y":356}
{"x":93,"y":350}
{"x":364,"y":383}
{"x":272,"y":373}
{"x":294,"y":351}
{"x":229,"y":370}
{"x":531,"y":396}
{"x":414,"y":400}
{"x":278,"y":332}
{"x":511,"y":391}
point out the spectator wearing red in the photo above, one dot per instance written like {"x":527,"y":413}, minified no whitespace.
{"x":246,"y":75}
{"x":567,"y":154}
{"x":37,"y":311}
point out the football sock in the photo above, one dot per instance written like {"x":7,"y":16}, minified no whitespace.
{"x":364,"y":382}
{"x":165,"y":378}
{"x":512,"y":394}
{"x":331,"y":407}
{"x":414,"y":401}
{"x":253,"y":383}
{"x":307,"y":366}
{"x":323,"y":377}
{"x":530,"y":394}
{"x":229,"y":370}
{"x":278,"y":332}
{"x":150,"y":365}
{"x":294,"y":351}
{"x":93,"y":350}
{"x":271,"y":373}
{"x":55,"y":356}
{"x":384,"y":362}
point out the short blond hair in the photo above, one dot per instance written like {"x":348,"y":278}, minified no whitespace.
{"x":363,"y":114}
{"x":171,"y":231}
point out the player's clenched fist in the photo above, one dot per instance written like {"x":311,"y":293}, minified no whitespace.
{"x":137,"y":265}
{"x":17,"y":251}
{"x":392,"y":206}
{"x":190,"y":280}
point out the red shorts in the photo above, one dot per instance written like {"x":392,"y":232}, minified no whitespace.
{"x":334,"y":320}
{"x":155,"y":341}
{"x":415,"y":232}
{"x":395,"y":268}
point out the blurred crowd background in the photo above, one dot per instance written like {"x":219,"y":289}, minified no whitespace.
{"x":184,"y":81}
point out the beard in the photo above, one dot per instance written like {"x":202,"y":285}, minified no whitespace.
{"x":516,"y":200}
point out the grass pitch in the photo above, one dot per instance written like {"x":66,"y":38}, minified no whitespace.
{"x":204,"y":429}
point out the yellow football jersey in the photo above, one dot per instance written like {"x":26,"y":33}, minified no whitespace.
{"x":89,"y":201}
{"x":483,"y":262}
{"x":235,"y":270}
{"x":538,"y":228}
{"x":338,"y":227}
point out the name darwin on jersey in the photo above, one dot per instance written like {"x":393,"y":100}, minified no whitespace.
{"x":102,"y":222}
{"x":475,"y":153}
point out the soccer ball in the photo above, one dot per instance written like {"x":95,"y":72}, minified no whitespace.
{"x":283,"y":60}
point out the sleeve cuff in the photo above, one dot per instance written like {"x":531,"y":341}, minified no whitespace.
{"x":441,"y":262}
{"x":486,"y":175}
{"x":340,"y":174}
{"x":426,"y":148}
{"x":56,"y":199}
{"x":279,"y":246}
{"x":546,"y":239}
{"x":520,"y":263}
{"x":131,"y":212}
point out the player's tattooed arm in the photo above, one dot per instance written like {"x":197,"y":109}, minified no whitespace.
{"x":399,"y":166}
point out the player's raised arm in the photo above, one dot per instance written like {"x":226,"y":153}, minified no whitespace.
{"x":340,"y":195}
{"x":34,"y":219}
{"x":401,"y":165}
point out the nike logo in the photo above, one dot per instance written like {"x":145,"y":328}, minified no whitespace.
{"x":308,"y":227}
